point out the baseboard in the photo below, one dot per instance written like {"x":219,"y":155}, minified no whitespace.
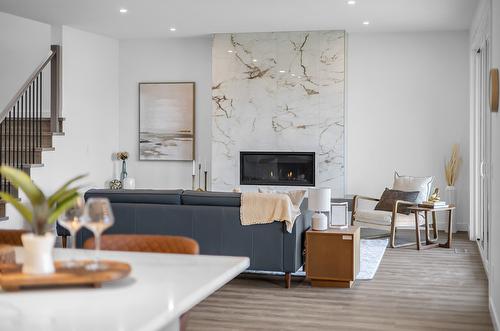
{"x":493,"y":314}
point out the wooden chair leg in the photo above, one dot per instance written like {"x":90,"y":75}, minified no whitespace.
{"x":288,"y":280}
{"x":417,"y":228}
{"x":393,"y":237}
{"x":434,"y":226}
{"x":64,"y":241}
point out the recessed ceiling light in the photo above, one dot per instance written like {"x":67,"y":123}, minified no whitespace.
{"x":282,"y":71}
{"x":293,"y":75}
{"x":173,"y":29}
{"x":366,"y":23}
{"x":229,"y":51}
{"x":351,"y":2}
{"x":123,"y":10}
{"x":254,"y":60}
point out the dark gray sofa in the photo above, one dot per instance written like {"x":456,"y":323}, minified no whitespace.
{"x":212,"y":219}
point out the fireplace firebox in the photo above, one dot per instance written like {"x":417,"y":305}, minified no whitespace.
{"x":277,"y":168}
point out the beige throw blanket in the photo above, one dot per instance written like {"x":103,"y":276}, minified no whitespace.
{"x":264,"y":208}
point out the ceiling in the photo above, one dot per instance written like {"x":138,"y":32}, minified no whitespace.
{"x":154,"y":18}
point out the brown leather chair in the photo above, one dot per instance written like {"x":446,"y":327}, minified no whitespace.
{"x":146,"y":243}
{"x":11,"y":237}
{"x":150,"y":244}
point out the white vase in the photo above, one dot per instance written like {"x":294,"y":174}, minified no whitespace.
{"x":450,"y":195}
{"x":451,"y":199}
{"x":37,"y":257}
{"x":128,"y":183}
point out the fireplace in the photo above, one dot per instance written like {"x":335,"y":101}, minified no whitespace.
{"x":277,"y":168}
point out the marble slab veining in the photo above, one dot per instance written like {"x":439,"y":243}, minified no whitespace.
{"x":278,"y":91}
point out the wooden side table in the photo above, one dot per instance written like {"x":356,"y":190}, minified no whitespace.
{"x":428,"y":242}
{"x":332,"y":257}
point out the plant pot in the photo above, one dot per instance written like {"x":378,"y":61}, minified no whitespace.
{"x":37,"y":257}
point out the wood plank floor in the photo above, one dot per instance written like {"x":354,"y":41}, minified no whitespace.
{"x":436,"y":289}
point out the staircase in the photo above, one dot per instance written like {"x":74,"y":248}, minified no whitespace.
{"x":25,"y":132}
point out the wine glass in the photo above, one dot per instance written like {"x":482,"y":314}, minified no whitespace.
{"x":98,"y":217}
{"x":71,"y":220}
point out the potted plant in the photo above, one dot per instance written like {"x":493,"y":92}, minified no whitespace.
{"x":40,"y":212}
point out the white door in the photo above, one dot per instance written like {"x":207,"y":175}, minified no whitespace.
{"x":483,"y":133}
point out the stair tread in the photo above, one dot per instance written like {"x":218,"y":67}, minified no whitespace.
{"x":43,"y":133}
{"x":37,"y":149}
{"x":32,"y":165}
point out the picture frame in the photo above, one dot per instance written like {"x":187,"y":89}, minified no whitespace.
{"x":339,"y":215}
{"x":167,"y":121}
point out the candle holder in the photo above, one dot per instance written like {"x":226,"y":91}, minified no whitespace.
{"x":206,"y":174}
{"x":199,"y":189}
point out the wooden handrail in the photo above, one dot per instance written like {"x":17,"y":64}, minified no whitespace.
{"x":26,"y":85}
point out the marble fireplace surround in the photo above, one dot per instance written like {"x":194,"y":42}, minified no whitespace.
{"x":278,"y":91}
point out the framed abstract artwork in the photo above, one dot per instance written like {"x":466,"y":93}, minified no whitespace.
{"x":166,"y":121}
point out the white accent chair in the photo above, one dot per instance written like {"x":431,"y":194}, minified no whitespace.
{"x":366,"y":216}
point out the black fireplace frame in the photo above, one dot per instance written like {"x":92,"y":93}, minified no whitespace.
{"x":243,"y":182}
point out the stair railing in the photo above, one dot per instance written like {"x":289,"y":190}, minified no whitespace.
{"x":21,"y":120}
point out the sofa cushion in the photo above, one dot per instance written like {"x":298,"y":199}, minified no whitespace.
{"x":389,"y":198}
{"x":381,"y":217}
{"x":167,"y":197}
{"x":228,"y":199}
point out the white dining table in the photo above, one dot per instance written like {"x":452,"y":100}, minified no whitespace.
{"x":159,"y":289}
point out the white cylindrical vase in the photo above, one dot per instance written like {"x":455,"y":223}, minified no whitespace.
{"x":37,"y":255}
{"x":451,"y":199}
{"x":128,"y":183}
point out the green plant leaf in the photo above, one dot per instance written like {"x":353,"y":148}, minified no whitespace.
{"x":22,"y":209}
{"x":22,"y":181}
{"x":63,"y":195}
{"x":57,"y":195}
{"x":62,"y":207}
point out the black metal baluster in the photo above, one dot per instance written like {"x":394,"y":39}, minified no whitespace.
{"x":28,"y":124}
{"x":33,"y":125}
{"x":39,"y":109}
{"x":23,"y":108}
{"x":9,"y":151}
{"x":21,"y":118}
{"x":16,"y":140}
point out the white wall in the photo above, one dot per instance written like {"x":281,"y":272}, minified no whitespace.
{"x":407,"y":103}
{"x":90,"y":106}
{"x":173,"y":60}
{"x":24,"y":45}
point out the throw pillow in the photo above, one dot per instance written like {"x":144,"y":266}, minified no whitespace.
{"x":409,"y":183}
{"x":389,"y":197}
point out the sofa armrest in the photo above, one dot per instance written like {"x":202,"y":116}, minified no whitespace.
{"x":294,"y":243}
{"x":401,"y":203}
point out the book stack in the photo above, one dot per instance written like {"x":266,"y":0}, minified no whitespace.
{"x":434,"y":205}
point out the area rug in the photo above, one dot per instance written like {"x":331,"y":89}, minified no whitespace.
{"x":371,"y":253}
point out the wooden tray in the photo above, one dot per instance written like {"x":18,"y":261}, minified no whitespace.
{"x":12,"y":279}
